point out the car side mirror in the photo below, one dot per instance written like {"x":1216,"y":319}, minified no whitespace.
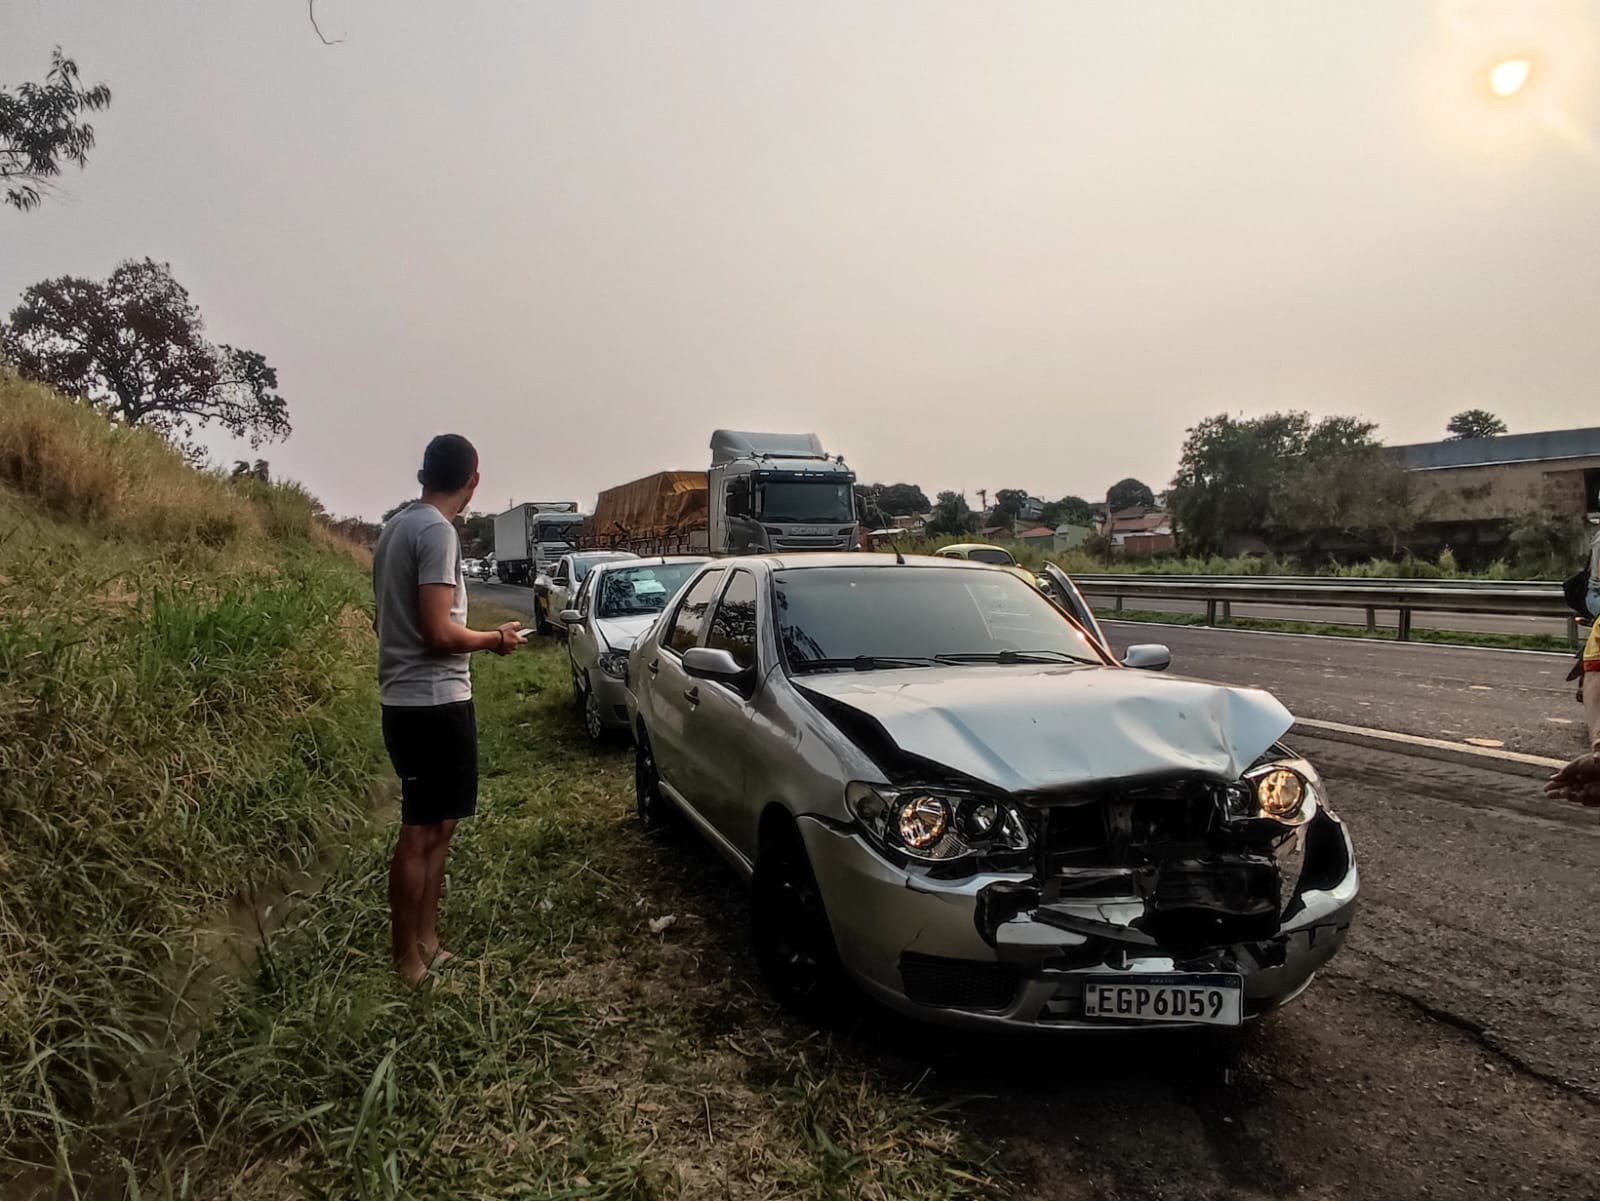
{"x":572,"y":617}
{"x":1149,"y":656}
{"x":712,"y":663}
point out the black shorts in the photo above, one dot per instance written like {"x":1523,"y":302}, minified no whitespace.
{"x":434,"y":749}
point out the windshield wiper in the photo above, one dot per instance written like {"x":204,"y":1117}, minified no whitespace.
{"x":862,"y":663}
{"x":1011,"y":657}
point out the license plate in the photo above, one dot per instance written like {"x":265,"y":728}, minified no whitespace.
{"x":1212,"y":1000}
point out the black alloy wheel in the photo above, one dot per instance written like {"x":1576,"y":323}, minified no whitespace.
{"x":793,"y":942}
{"x":656,"y":813}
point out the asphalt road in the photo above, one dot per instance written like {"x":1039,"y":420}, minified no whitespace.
{"x":1387,"y":619}
{"x":1518,"y":699}
{"x":513,"y":596}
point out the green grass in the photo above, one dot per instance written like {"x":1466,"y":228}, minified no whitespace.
{"x":1526,"y":642}
{"x":570,"y":1051}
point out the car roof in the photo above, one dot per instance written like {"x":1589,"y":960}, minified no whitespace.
{"x":654,"y":561}
{"x":967,"y":548}
{"x":864,"y":559}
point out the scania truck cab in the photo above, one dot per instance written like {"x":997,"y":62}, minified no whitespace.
{"x":778,"y":492}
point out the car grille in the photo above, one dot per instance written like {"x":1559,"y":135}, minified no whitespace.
{"x":957,"y":983}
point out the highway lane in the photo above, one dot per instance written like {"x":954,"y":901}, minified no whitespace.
{"x":1517,"y":699}
{"x":1487,"y":623}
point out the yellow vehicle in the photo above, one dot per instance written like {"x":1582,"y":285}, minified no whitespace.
{"x":983,"y":552}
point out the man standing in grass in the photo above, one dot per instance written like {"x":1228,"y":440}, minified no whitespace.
{"x":425,"y":688}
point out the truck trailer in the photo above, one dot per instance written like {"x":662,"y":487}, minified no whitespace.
{"x":530,"y":537}
{"x":763,"y":492}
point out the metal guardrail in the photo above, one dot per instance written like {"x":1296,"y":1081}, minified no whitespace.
{"x":1508,"y":598}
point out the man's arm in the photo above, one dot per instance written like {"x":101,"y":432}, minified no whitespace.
{"x":445,"y":637}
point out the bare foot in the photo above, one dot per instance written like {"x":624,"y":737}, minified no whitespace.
{"x":412,"y":972}
{"x":435,"y":956}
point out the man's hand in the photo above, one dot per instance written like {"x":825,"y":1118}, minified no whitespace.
{"x":511,"y":637}
{"x":1578,"y":782}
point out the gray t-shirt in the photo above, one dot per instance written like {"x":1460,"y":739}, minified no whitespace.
{"x":417,"y":546}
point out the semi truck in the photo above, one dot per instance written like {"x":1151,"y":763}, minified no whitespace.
{"x":530,"y":537}
{"x":762,"y":492}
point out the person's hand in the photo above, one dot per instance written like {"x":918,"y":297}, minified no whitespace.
{"x":1578,"y":782}
{"x":511,"y":637}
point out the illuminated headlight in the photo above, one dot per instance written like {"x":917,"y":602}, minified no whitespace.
{"x":615,"y":664}
{"x":1287,"y":791}
{"x":936,"y":826}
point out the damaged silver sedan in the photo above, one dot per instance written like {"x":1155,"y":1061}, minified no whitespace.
{"x":947,"y":793}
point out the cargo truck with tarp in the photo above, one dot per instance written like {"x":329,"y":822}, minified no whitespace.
{"x":762,"y":493}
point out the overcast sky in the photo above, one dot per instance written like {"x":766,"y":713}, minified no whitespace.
{"x":973,"y":245}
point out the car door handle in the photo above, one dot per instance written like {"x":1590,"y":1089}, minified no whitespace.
{"x":655,"y":667}
{"x":692,"y":695}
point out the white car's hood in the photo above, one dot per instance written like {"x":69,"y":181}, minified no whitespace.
{"x":620,"y":633}
{"x":1026,"y":728}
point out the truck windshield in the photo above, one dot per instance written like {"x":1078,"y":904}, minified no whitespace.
{"x":807,"y":501}
{"x":631,"y":591}
{"x":832,"y":618}
{"x":564,"y":531}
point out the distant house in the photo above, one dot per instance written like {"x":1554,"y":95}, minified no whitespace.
{"x":1037,"y":535}
{"x":1070,"y":537}
{"x":1140,"y":531}
{"x":1032,"y":509}
{"x":913,"y":523}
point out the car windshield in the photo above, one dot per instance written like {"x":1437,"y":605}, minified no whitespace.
{"x":565,"y":531}
{"x":991,"y":554}
{"x":635,"y":591}
{"x":870,"y":617}
{"x":806,"y":500}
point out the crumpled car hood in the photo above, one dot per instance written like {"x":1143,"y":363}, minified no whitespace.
{"x":620,"y":633}
{"x":1024,"y":729}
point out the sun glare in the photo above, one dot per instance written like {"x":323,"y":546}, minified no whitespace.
{"x":1508,"y":78}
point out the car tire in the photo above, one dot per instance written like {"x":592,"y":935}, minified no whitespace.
{"x":791,"y":937}
{"x":656,"y":813}
{"x":593,"y":722}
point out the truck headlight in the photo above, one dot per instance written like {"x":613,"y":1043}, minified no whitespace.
{"x":936,"y":826}
{"x":615,"y":664}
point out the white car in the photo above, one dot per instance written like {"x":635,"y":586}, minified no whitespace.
{"x":553,"y":594}
{"x":615,"y":604}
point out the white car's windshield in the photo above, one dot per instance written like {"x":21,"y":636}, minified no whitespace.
{"x":635,"y":591}
{"x":867,"y":617}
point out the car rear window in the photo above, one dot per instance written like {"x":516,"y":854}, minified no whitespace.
{"x":993,"y":555}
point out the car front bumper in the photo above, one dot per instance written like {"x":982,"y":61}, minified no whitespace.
{"x":927,"y":948}
{"x":612,"y":696}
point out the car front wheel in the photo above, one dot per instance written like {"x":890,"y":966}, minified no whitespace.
{"x":593,"y":724}
{"x":793,"y":942}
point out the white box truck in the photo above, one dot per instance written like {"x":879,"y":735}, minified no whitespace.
{"x":530,"y":537}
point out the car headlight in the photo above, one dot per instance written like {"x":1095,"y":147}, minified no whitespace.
{"x":936,"y":826}
{"x":615,"y":664}
{"x":1287,"y":791}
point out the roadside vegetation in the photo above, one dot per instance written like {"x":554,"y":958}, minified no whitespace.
{"x":196,"y":999}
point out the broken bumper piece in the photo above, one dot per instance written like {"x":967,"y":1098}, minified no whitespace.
{"x":989,"y":951}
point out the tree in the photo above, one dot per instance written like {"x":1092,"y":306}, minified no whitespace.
{"x":1008,"y":504}
{"x":1288,"y":481}
{"x":1069,"y":510}
{"x":950,"y":515}
{"x":42,"y":127}
{"x":1130,"y":494}
{"x":477,"y":534}
{"x":135,"y":347}
{"x":899,"y":500}
{"x":1474,"y":423}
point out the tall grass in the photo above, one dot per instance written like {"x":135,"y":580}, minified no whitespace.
{"x":185,"y":692}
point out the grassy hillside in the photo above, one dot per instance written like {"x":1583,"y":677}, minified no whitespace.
{"x":185,"y":699}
